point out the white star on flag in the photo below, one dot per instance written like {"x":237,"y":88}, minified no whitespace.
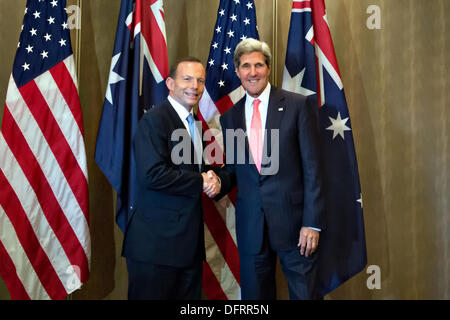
{"x":360,"y":200}
{"x":338,"y":126}
{"x":113,"y":77}
{"x":294,"y":84}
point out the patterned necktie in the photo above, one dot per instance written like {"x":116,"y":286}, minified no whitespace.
{"x":255,"y":135}
{"x":191,"y":122}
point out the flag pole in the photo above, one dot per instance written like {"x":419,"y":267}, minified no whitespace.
{"x":77,"y":58}
{"x":78,"y":40}
{"x":274,"y":41}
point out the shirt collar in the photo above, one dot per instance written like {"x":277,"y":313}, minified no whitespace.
{"x":181,"y":111}
{"x":264,"y":96}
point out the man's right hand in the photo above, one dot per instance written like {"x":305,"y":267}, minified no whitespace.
{"x":211,"y":184}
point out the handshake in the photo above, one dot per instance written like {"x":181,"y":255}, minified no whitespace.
{"x":211,"y":183}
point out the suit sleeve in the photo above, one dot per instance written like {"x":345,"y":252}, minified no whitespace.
{"x":310,"y":146}
{"x":154,"y":167}
{"x":227,"y":172}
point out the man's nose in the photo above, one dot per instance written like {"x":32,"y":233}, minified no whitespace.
{"x":194,"y":84}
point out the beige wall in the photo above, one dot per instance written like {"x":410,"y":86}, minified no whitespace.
{"x":398,"y":93}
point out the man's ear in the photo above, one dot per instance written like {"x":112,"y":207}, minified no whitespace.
{"x":170,"y":83}
{"x":236,"y":69}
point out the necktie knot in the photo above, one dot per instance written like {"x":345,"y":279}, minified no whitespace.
{"x":190,"y":119}
{"x":256,"y":103}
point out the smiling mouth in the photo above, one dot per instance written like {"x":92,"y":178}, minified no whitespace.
{"x":191,"y":95}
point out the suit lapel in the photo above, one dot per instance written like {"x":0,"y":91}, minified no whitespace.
{"x":275,"y":109}
{"x":178,"y":124}
{"x":239,"y":115}
{"x":175,"y":119}
{"x":239,"y":123}
{"x":275,"y":112}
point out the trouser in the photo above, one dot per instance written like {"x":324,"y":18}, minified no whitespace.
{"x":258,"y":273}
{"x":148,"y":281}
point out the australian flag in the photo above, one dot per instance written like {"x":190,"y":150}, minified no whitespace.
{"x":139,"y":67}
{"x":311,"y":69}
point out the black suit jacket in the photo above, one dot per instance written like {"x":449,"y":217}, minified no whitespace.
{"x":166,"y":227}
{"x":288,"y":192}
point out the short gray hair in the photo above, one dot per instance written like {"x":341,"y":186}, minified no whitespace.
{"x":250,"y":45}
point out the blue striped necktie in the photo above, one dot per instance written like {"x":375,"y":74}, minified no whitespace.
{"x":191,"y":122}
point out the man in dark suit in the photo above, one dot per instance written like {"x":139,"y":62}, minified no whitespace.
{"x":164,"y":240}
{"x":279,"y":202}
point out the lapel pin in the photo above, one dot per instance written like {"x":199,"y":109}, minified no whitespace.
{"x":280,"y":109}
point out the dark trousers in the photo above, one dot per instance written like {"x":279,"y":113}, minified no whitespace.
{"x":258,"y":273}
{"x":148,"y":281}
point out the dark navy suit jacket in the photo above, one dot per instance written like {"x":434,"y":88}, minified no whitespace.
{"x":287,"y":194}
{"x":166,"y":227}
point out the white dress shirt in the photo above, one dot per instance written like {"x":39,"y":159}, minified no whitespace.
{"x":183,"y":114}
{"x":263,"y":106}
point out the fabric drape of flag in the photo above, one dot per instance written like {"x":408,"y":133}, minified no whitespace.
{"x":311,"y":68}
{"x":44,"y":205}
{"x":236,"y":20}
{"x":139,"y":67}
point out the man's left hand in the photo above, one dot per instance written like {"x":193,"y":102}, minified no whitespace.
{"x":308,"y":241}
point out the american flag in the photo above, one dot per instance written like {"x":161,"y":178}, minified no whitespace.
{"x":236,"y":20}
{"x":311,"y":68}
{"x":139,"y":67}
{"x":44,"y":205}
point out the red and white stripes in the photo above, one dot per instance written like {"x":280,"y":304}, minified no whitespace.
{"x":44,"y":200}
{"x":221,"y":279}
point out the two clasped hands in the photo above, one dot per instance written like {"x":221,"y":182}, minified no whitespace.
{"x":211,"y":184}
